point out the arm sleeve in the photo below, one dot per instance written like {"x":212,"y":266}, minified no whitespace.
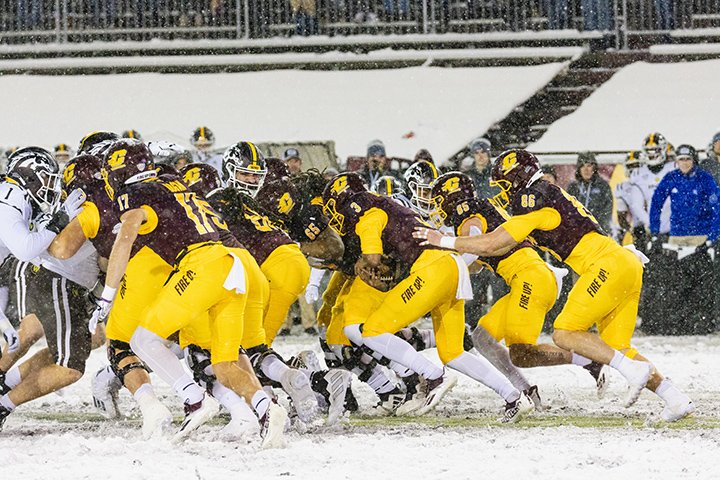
{"x":316,"y":275}
{"x":370,"y":228}
{"x":17,"y":237}
{"x":656,"y":204}
{"x":520,"y":226}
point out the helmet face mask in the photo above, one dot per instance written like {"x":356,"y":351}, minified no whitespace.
{"x":39,"y":173}
{"x":336,"y":194}
{"x":448,"y":192}
{"x":513,"y":170}
{"x":244,"y":168}
{"x":419,"y":177}
{"x":655,"y":148}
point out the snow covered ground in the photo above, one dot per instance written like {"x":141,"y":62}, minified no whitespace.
{"x":60,"y":437}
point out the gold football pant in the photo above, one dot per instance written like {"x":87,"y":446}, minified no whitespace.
{"x":288,"y":272}
{"x":144,"y":277}
{"x":199,"y":333}
{"x":606,"y":294}
{"x":197,"y":287}
{"x":335,"y":334}
{"x":430,"y":287}
{"x":518,"y":317}
{"x":330,"y":295}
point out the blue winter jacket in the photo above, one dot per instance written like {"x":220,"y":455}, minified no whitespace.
{"x":694,"y":207}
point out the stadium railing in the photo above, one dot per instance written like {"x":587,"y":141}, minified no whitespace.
{"x":58,"y":21}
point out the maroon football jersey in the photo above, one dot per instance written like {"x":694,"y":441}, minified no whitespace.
{"x":253,"y":228}
{"x":179,"y":219}
{"x":575,"y":220}
{"x":109,"y":222}
{"x":493,"y":219}
{"x":397,"y":238}
{"x":303,"y":221}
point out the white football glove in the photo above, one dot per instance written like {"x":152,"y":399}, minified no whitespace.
{"x":102,"y":310}
{"x":11,"y":335}
{"x":73,"y":203}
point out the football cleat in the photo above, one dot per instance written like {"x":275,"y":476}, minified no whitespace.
{"x":435,"y":390}
{"x":4,"y":413}
{"x":4,"y":388}
{"x":240,"y":429}
{"x":105,"y":388}
{"x":297,"y":385}
{"x":195,"y":415}
{"x":678,"y":410}
{"x":599,"y":373}
{"x":306,"y":359}
{"x":514,"y":411}
{"x":272,"y":427}
{"x":534,"y":394}
{"x":415,"y":398}
{"x":390,"y":401}
{"x":637,"y":386}
{"x":156,"y":420}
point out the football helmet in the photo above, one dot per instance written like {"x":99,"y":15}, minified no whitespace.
{"x":448,"y":191}
{"x":36,"y":170}
{"x":635,"y":159}
{"x":655,"y":147}
{"x":97,"y":143}
{"x":168,"y":153}
{"x":200,"y":178}
{"x":243,"y":167}
{"x":276,"y":169}
{"x":513,"y":170}
{"x":127,"y":161}
{"x":336,"y":194}
{"x":387,"y":186}
{"x":62,"y":152}
{"x":418,"y":177}
{"x":202,"y":138}
{"x":83,"y":172}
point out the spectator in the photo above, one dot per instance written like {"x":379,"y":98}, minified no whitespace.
{"x":62,"y":154}
{"x":292,"y":159}
{"x":30,"y":14}
{"x":712,"y":163}
{"x":597,"y":14}
{"x":403,"y":6}
{"x":665,"y":14}
{"x":549,"y":174}
{"x":557,"y":14}
{"x":694,"y":227}
{"x":377,"y":164}
{"x":631,"y":212}
{"x":592,"y":190}
{"x":481,"y":167}
{"x":423,"y":154}
{"x":305,"y":14}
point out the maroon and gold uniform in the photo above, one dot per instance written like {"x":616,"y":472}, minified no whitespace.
{"x":517,"y":317}
{"x":303,"y":221}
{"x":608,"y":290}
{"x":280,"y":259}
{"x":385,"y":228}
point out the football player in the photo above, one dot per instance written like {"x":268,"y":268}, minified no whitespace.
{"x":419,"y":177}
{"x":203,"y":140}
{"x":435,"y":281}
{"x":608,"y":290}
{"x":517,"y":317}
{"x":30,"y":192}
{"x":143,"y":277}
{"x":183,"y":230}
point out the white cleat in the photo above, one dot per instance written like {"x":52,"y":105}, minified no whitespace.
{"x":272,"y":427}
{"x":195,"y":415}
{"x":105,"y":388}
{"x":338,"y":383}
{"x":435,"y":390}
{"x":416,"y":401}
{"x":156,"y":420}
{"x":637,"y":386}
{"x":309,"y":360}
{"x":600,"y":373}
{"x":678,"y":410}
{"x":297,"y":385}
{"x":241,"y":429}
{"x":514,"y":411}
{"x":534,"y":395}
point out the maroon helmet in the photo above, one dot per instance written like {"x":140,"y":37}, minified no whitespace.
{"x":276,"y":169}
{"x":448,"y":192}
{"x":83,"y":172}
{"x":336,"y":194}
{"x":280,"y":197}
{"x":127,"y":161}
{"x":200,"y":178}
{"x":513,"y":170}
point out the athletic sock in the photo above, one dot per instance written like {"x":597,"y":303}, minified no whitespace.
{"x":12,"y":377}
{"x":669,"y":393}
{"x":499,"y":357}
{"x":379,"y":381}
{"x":394,"y":348}
{"x":273,"y":367}
{"x":580,"y":360}
{"x":233,"y":402}
{"x":478,"y":368}
{"x":633,"y":370}
{"x":260,"y":403}
{"x":7,"y":403}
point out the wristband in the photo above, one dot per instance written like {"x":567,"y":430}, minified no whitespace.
{"x":448,"y":242}
{"x":108,"y":293}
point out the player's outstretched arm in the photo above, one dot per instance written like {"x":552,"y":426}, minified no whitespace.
{"x":68,"y":241}
{"x":120,"y":255}
{"x":497,"y":242}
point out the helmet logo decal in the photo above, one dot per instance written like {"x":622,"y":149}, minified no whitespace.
{"x":340,"y":185}
{"x":451,"y":185}
{"x":192,"y":176}
{"x":117,"y":159}
{"x":285,"y":203}
{"x":509,"y":162}
{"x":69,"y":174}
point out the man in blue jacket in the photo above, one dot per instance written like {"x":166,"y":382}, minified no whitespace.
{"x":694,"y":229}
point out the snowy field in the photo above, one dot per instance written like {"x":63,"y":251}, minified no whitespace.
{"x":61,"y":437}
